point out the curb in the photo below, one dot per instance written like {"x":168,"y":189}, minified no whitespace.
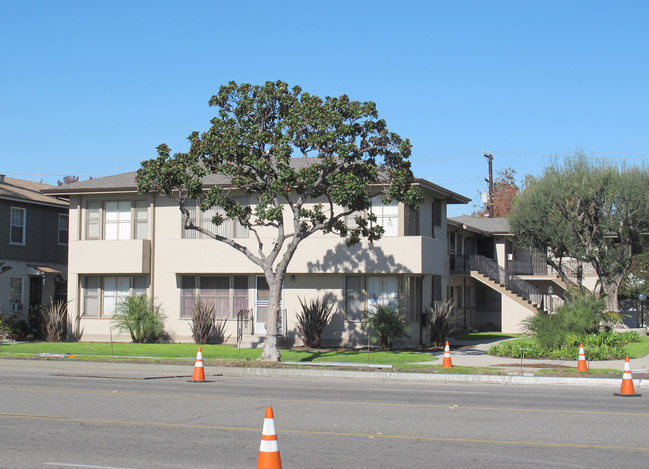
{"x":141,"y":368}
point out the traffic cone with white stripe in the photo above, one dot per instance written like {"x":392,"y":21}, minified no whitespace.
{"x":627,"y":382}
{"x":447,"y":357}
{"x":581,"y":364}
{"x":269,"y":449}
{"x":199,"y":370}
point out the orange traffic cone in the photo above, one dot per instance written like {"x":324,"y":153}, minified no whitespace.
{"x":447,"y":357}
{"x":627,"y":382}
{"x":199,"y":371}
{"x":269,"y":449}
{"x":581,"y":364}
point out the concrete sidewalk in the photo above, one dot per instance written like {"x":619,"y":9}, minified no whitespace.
{"x":469,"y":353}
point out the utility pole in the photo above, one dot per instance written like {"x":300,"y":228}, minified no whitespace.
{"x":490,"y":203}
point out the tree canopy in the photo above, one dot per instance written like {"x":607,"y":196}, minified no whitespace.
{"x":309,"y":164}
{"x":505,"y":191}
{"x":591,"y":211}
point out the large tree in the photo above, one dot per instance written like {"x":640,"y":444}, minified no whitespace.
{"x":309,"y":164}
{"x":591,"y":211}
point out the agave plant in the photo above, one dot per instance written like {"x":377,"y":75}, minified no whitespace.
{"x":440,"y":321}
{"x":56,"y":320}
{"x":312,"y":320}
{"x":203,"y":321}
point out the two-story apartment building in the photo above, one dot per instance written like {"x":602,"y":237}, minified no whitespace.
{"x":34,"y":244}
{"x":496,"y":284}
{"x":122,"y":243}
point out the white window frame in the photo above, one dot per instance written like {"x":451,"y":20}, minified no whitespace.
{"x":16,"y":298}
{"x":235,"y":296}
{"x":369,"y":301}
{"x":137,"y":285}
{"x":387,"y":216}
{"x":100,"y":217}
{"x":230,"y":228}
{"x":64,"y":230}
{"x":353,"y":299}
{"x":22,"y":226}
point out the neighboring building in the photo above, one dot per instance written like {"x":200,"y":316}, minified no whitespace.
{"x":497,"y":284}
{"x":122,"y":243}
{"x":34,"y":243}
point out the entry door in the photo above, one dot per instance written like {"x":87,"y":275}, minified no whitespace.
{"x":261,"y":306}
{"x":35,"y":290}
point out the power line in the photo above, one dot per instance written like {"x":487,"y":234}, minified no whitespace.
{"x":637,"y":156}
{"x":46,"y":175}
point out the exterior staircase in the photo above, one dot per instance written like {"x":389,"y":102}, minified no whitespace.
{"x":487,"y":271}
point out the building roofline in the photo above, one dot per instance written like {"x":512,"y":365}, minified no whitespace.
{"x":125,"y":183}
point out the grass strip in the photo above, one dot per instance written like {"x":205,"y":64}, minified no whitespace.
{"x":210,"y":352}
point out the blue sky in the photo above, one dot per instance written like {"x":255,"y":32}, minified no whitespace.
{"x":91,"y":88}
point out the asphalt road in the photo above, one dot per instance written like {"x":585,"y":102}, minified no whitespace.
{"x":52,"y":418}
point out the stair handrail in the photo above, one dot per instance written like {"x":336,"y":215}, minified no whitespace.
{"x":510,"y":281}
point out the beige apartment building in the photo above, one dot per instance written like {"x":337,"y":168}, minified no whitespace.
{"x":122,"y":243}
{"x":497,"y":284}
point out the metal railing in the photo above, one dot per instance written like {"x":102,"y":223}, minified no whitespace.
{"x":508,"y":280}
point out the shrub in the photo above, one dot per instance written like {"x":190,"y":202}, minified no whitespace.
{"x":141,"y":318}
{"x":203,"y":321}
{"x":583,"y":313}
{"x":605,"y":345}
{"x":55,"y":317}
{"x":389,"y":323}
{"x":218,"y":334}
{"x":19,"y":329}
{"x":439,"y":319}
{"x":312,"y":320}
{"x":5,"y":330}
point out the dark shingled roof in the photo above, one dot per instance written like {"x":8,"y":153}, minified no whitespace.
{"x":487,"y":225}
{"x":28,"y":191}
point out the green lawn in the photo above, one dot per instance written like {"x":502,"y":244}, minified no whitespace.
{"x":90,"y":350}
{"x":638,"y":349}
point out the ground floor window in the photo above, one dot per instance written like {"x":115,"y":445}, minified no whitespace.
{"x":227,"y":294}
{"x":364,"y":293}
{"x":102,"y":294}
{"x":413,"y":296}
{"x":16,"y":304}
{"x":487,"y":300}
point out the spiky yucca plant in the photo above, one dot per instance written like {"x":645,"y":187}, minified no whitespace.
{"x":312,"y":320}
{"x":203,"y":321}
{"x":55,"y":316}
{"x":439,"y":317}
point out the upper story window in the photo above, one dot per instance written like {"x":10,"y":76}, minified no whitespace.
{"x":436,"y":212}
{"x":17,"y":225}
{"x":411,"y":222}
{"x":63,"y":229}
{"x":111,"y":220}
{"x":387,"y":216}
{"x":229,"y":228}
